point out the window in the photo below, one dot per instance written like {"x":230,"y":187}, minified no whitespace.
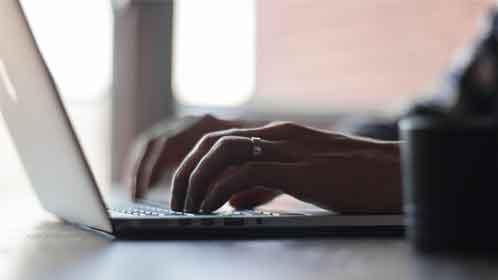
{"x":75,"y":38}
{"x":214,"y":52}
{"x":316,"y":56}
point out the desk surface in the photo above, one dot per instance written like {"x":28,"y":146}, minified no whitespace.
{"x":36,"y":245}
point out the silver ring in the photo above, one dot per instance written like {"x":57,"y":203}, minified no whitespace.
{"x":257,"y":148}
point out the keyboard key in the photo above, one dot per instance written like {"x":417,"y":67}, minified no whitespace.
{"x":145,"y":210}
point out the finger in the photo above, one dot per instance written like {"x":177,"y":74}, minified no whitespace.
{"x":165,"y":160}
{"x":253,"y":197}
{"x":180,"y":182}
{"x":144,"y":163}
{"x":181,"y":176}
{"x":271,"y":175}
{"x":133,"y":163}
{"x":177,"y":144}
{"x":151,"y":170}
{"x":228,"y":151}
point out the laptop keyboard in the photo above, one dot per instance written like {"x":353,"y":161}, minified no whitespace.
{"x":146,"y":210}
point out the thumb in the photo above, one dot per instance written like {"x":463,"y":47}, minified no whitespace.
{"x":253,"y":197}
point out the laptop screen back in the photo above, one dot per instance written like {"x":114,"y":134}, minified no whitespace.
{"x":40,"y":128}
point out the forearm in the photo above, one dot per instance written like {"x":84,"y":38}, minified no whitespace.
{"x":368,"y":183}
{"x":332,"y":170}
{"x":363,"y":173}
{"x":352,"y":184}
{"x":389,"y":150}
{"x":323,"y":143}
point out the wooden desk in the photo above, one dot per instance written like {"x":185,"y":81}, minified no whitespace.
{"x":35,"y":245}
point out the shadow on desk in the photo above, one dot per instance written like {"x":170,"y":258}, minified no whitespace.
{"x":58,"y":249}
{"x":54,"y":250}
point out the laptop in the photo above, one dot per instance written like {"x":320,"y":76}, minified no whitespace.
{"x":64,"y":184}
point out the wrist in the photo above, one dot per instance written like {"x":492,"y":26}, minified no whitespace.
{"x":379,"y":147}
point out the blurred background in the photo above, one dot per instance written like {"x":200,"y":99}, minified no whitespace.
{"x":123,"y":65}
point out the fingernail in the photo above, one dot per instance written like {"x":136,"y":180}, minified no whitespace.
{"x":201,"y":208}
{"x":188,"y":205}
{"x":189,"y":210}
{"x":175,"y":208}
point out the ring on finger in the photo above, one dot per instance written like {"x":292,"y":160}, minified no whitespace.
{"x":257,"y":147}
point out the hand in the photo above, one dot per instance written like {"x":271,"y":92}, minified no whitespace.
{"x":330,"y":170}
{"x":163,"y":147}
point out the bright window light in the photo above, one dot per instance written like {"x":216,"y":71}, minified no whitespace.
{"x":76,"y":40}
{"x":214,"y":52}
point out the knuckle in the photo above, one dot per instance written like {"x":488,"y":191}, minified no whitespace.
{"x":282,"y":126}
{"x":288,"y":128}
{"x":210,"y":138}
{"x":205,"y":138}
{"x":208,"y":117}
{"x":193,"y":178}
{"x":231,"y":131}
{"x":225,"y":142}
{"x":178,"y":177}
{"x":280,"y":123}
{"x":288,"y":125}
{"x":205,"y":142}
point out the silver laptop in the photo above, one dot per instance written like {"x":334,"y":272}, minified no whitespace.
{"x":64,"y":183}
